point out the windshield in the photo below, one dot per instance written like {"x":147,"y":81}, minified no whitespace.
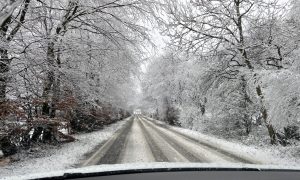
{"x":148,"y":83}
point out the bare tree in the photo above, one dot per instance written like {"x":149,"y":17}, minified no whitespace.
{"x":12,"y":16}
{"x":209,"y":27}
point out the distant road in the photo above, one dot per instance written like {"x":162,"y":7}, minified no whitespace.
{"x":145,"y":140}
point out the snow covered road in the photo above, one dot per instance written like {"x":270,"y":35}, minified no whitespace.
{"x":146,"y":140}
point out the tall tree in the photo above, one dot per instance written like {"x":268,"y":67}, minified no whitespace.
{"x":212,"y":27}
{"x":12,"y":16}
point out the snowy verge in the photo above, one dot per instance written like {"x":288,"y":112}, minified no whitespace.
{"x":266,"y":155}
{"x":64,"y":157}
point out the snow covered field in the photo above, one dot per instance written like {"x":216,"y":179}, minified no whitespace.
{"x":64,"y":157}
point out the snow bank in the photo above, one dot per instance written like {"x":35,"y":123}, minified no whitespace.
{"x":64,"y":157}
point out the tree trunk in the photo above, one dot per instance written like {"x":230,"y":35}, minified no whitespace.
{"x":4,"y":60}
{"x":36,"y":134}
{"x":56,"y":87}
{"x":49,"y":79}
{"x":51,"y":83}
{"x":243,"y":52}
{"x":271,"y":130}
{"x":241,"y":42}
{"x":245,"y":104}
{"x":6,"y":38}
{"x":50,"y":134}
{"x":55,"y":99}
{"x":8,"y":148}
{"x":4,"y":69}
{"x":264,"y":112}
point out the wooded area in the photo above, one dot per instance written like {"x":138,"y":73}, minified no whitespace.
{"x":231,"y":68}
{"x":66,"y":65}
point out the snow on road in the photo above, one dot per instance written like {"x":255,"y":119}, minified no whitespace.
{"x":205,"y":154}
{"x":137,"y":148}
{"x":261,"y":155}
{"x":150,"y":141}
{"x":64,"y":157}
{"x":166,"y":148}
{"x":146,"y":141}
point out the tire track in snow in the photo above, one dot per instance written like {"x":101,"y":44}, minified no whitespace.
{"x":216,"y":150}
{"x":174,"y":144}
{"x":156,"y":151}
{"x":136,"y":148}
{"x":113,"y":152}
{"x":144,"y":140}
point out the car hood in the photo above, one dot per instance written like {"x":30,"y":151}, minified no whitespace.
{"x":114,"y":169}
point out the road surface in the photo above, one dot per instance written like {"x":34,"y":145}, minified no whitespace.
{"x":145,"y":140}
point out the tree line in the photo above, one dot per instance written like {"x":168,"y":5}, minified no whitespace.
{"x":231,"y":66}
{"x":65,"y":64}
